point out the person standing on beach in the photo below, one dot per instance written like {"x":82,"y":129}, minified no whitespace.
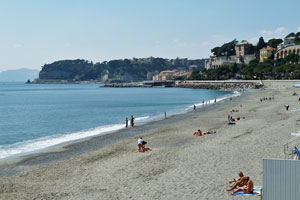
{"x":132,"y":121}
{"x":215,"y":100}
{"x":194,"y":107}
{"x":287,"y":107}
{"x":126,"y":122}
{"x":165,"y":115}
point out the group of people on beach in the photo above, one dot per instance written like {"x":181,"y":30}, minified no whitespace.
{"x":200,"y":133}
{"x":266,"y":99}
{"x":230,"y":119}
{"x":205,"y":103}
{"x":243,"y":183}
{"x":131,"y":121}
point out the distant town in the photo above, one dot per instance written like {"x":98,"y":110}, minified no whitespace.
{"x":276,"y":59}
{"x":245,"y":51}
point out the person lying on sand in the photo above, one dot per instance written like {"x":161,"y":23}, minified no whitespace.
{"x":248,"y":186}
{"x":210,"y":132}
{"x":198,"y":133}
{"x":236,"y":182}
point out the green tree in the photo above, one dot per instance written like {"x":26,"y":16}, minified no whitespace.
{"x":290,"y":35}
{"x":297,"y":38}
{"x":274,"y":42}
{"x":195,"y":75}
{"x":227,"y":49}
{"x":262,"y":68}
{"x":261,"y":44}
{"x":215,"y":51}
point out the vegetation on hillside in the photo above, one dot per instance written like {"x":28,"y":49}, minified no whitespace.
{"x":284,"y":68}
{"x":137,"y":69}
{"x":117,"y":70}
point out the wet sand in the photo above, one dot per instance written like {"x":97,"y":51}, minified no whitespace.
{"x":179,"y":166}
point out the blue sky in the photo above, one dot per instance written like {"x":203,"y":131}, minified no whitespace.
{"x":35,"y":32}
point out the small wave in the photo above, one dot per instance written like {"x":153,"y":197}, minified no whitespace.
{"x":42,"y":143}
{"x":212,"y":101}
{"x":142,"y":118}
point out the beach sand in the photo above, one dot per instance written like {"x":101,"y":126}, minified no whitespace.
{"x":179,"y":166}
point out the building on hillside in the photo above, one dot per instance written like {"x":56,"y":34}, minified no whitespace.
{"x":151,"y":74}
{"x":243,"y":52}
{"x":243,"y":55}
{"x":289,"y":40}
{"x":216,"y":62}
{"x":283,"y":52}
{"x":164,"y":75}
{"x":242,"y":48}
{"x":266,"y":53}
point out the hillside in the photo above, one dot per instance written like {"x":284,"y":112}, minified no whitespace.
{"x":114,"y":70}
{"x":19,"y":75}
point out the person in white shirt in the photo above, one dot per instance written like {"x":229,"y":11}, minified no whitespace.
{"x":140,"y":144}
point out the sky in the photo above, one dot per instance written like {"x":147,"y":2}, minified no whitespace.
{"x":38,"y":32}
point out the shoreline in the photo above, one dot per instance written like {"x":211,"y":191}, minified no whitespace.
{"x":66,"y":150}
{"x":179,"y":166}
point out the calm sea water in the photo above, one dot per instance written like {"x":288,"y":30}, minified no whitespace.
{"x":33,"y":117}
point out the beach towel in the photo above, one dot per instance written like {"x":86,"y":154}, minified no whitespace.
{"x":297,"y":152}
{"x":231,"y":123}
{"x":256,"y":192}
{"x":146,"y":149}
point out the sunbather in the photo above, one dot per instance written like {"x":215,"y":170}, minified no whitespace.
{"x":248,"y":186}
{"x":211,"y":132}
{"x":237,"y":182}
{"x":198,"y":133}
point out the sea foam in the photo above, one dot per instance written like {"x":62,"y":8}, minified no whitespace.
{"x":45,"y":142}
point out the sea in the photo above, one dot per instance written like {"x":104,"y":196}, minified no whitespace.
{"x":37,"y":116}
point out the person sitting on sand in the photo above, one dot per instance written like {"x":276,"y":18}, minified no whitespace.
{"x":143,"y":146}
{"x":236,"y":182}
{"x":295,"y":94}
{"x":140,"y":144}
{"x":231,"y":120}
{"x":248,"y":186}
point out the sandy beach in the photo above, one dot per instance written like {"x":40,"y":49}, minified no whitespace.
{"x":179,"y":166}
